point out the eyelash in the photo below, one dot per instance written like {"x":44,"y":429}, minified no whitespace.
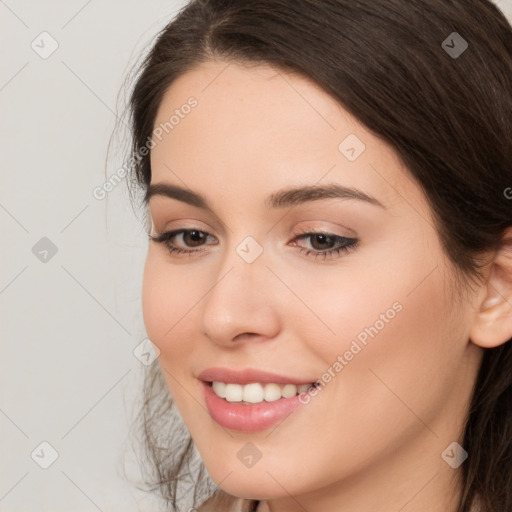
{"x":349,"y":243}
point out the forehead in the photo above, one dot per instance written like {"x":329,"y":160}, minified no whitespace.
{"x":257,"y":128}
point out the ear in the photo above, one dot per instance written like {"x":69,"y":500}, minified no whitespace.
{"x":492,"y":324}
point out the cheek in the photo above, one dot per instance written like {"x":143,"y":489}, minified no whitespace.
{"x":358,"y":300}
{"x":154,"y":300}
{"x":166,"y":299}
{"x":393,"y":297}
{"x":393,"y":337}
{"x":399,"y":344}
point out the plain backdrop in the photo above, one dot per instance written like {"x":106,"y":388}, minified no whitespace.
{"x":72,"y":332}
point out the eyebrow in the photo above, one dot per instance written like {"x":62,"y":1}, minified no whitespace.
{"x":280,"y":199}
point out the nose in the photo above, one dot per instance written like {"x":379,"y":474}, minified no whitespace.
{"x":241,"y":305}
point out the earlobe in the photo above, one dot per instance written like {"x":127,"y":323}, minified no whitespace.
{"x":492,"y":325}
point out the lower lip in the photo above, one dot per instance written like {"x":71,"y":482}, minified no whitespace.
{"x":248,"y":417}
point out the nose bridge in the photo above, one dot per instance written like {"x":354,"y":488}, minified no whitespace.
{"x":244,"y":264}
{"x":239,"y":301}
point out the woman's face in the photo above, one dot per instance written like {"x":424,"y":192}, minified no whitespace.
{"x":366,"y":309}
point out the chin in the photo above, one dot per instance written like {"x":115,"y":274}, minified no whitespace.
{"x":247,"y":483}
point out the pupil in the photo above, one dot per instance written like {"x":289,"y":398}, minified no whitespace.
{"x":196,"y":236}
{"x":322,"y":238}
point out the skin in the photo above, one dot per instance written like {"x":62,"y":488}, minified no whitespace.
{"x":382,"y":422}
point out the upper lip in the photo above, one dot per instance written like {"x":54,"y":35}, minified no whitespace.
{"x":247,"y":376}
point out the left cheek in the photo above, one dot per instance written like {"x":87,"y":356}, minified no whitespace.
{"x":355,"y":314}
{"x":377,"y":322}
{"x":409,"y":355}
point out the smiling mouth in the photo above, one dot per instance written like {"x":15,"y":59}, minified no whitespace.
{"x":255,"y":393}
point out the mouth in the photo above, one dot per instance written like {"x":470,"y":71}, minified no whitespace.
{"x":255,"y":406}
{"x":251,"y":400}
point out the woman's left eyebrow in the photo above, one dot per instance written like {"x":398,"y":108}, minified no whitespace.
{"x":298,"y":195}
{"x":281,"y":199}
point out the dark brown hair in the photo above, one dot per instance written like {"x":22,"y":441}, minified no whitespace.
{"x":448,"y":117}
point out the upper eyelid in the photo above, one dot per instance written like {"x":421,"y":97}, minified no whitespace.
{"x":219,"y":225}
{"x":216,"y":223}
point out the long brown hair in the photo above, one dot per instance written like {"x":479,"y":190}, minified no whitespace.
{"x":449,"y":117}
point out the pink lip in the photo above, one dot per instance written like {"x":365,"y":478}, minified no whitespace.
{"x":248,"y":376}
{"x":248,"y":417}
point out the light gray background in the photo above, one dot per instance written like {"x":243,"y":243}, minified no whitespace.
{"x":70,"y":324}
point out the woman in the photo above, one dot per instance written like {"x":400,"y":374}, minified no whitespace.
{"x":329,"y":274}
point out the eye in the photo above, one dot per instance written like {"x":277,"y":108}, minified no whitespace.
{"x":323,"y":244}
{"x":326,"y":244}
{"x":191,"y":237}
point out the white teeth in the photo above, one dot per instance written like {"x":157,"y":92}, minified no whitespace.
{"x":272,"y":392}
{"x":253,"y":393}
{"x":289,"y":390}
{"x":233,"y":392}
{"x":220,"y":389}
{"x":256,"y":393}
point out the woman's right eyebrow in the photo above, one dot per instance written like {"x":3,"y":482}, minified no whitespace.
{"x":283,"y":198}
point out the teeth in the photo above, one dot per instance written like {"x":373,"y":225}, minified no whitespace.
{"x":272,"y":392}
{"x":234,"y":392}
{"x":253,"y":393}
{"x":289,"y":390}
{"x":220,"y":389}
{"x":256,"y":393}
